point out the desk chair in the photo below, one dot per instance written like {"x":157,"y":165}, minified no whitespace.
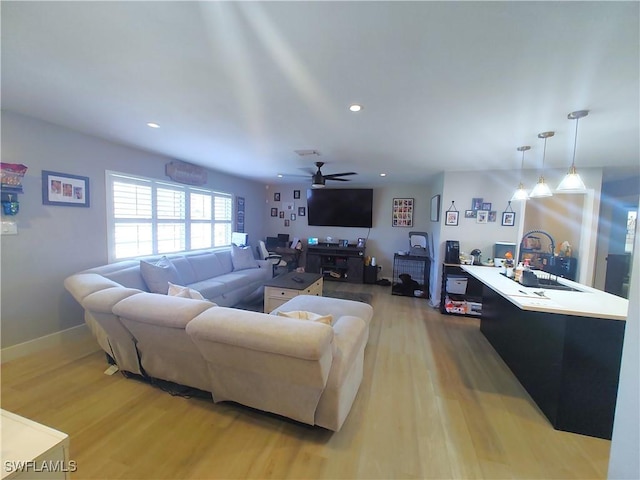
{"x":274,"y":258}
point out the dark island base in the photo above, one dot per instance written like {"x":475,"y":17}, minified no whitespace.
{"x":569,"y":365}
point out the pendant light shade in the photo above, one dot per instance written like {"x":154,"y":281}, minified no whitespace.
{"x":572,"y":183}
{"x":521,"y":193}
{"x":542,"y":189}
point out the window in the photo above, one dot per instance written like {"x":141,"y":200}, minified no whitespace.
{"x":632,"y":216}
{"x":148,"y":217}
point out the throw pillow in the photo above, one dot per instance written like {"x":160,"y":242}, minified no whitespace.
{"x":185,"y":292}
{"x":242,"y":258}
{"x":157,"y":275}
{"x":314,"y":317}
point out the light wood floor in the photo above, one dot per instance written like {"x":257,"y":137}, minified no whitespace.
{"x":436,"y":402}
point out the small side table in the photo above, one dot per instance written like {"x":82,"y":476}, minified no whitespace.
{"x":282,"y":288}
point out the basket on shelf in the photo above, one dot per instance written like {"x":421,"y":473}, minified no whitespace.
{"x":11,"y":175}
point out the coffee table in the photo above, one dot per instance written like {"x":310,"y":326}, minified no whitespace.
{"x":284,"y":287}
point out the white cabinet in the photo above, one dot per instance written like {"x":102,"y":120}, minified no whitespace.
{"x":33,"y":451}
{"x":274,"y":296}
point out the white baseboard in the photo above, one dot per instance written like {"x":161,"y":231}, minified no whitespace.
{"x":42,"y":343}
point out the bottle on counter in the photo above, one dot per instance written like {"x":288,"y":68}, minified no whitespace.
{"x":518,"y":272}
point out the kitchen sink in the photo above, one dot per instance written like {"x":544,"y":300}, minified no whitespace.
{"x":556,"y":286}
{"x":546,"y":283}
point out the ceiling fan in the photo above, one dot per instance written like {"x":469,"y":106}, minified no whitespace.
{"x":318,"y":179}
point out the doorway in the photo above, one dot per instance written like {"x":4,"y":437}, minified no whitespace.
{"x":618,"y":272}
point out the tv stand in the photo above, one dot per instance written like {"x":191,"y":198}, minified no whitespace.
{"x":333,"y":262}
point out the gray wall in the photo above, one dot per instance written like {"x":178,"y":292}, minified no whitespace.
{"x":54,"y":242}
{"x":383,"y":240}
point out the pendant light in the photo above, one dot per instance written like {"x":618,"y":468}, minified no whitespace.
{"x":572,"y":183}
{"x":542,"y":189}
{"x":521,"y":193}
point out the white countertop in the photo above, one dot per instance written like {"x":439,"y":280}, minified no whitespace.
{"x":588,"y":302}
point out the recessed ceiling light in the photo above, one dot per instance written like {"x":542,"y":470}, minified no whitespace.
{"x":153,"y":125}
{"x":383,"y":174}
{"x":279,"y":175}
{"x":355,"y":107}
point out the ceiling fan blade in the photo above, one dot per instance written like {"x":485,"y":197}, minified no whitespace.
{"x":334,"y":175}
{"x":337,"y":179}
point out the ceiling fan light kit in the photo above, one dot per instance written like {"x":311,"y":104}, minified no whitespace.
{"x":572,"y":183}
{"x":318,"y":180}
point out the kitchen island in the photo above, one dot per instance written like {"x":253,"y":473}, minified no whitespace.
{"x":564,"y":346}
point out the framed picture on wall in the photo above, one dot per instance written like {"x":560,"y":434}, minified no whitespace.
{"x":452,"y":218}
{"x":64,"y":189}
{"x":508,"y":219}
{"x":302,"y":211}
{"x":482,"y":216}
{"x":274,"y":212}
{"x":402,"y":212}
{"x":296,"y":194}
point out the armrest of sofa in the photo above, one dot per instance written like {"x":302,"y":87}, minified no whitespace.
{"x":350,"y":337}
{"x":162,"y":310}
{"x":346,"y":372}
{"x":261,"y":332}
{"x":81,"y":285}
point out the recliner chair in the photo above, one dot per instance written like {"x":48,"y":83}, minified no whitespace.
{"x":275,"y":259}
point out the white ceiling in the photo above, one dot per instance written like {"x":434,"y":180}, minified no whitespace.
{"x":238,"y":86}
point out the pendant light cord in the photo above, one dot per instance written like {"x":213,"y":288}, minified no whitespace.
{"x":575,"y":145}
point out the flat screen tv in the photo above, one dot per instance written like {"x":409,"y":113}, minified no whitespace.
{"x":340,"y":207}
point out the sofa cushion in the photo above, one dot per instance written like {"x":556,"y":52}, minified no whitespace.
{"x":157,"y":275}
{"x":205,"y":266}
{"x":304,"y":315}
{"x":326,"y":305}
{"x":84,"y":284}
{"x":224,"y":256}
{"x":242,"y":258}
{"x":161,"y":310}
{"x":236,"y":280}
{"x":185,"y":269}
{"x":185,"y":292}
{"x":211,"y":288}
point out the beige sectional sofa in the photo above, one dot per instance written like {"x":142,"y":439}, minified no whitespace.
{"x":304,"y":370}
